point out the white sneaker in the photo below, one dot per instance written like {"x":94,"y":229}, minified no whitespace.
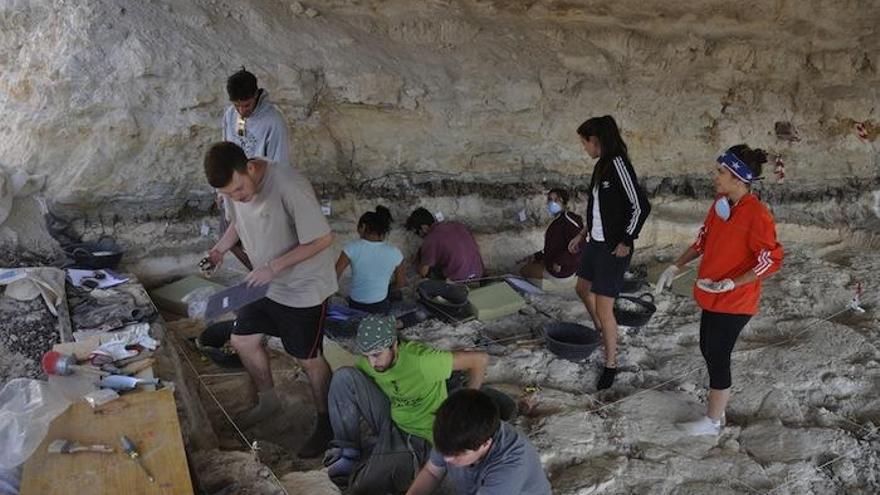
{"x":702,"y":426}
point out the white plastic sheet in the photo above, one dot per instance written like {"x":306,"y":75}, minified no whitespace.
{"x":27,"y":407}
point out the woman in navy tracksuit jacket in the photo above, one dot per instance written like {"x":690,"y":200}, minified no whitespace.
{"x":616,"y":211}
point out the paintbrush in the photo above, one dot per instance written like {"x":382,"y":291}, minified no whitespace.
{"x":64,"y":446}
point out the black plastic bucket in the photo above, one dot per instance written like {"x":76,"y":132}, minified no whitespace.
{"x":103,"y":253}
{"x":570,"y":340}
{"x":212,"y":341}
{"x":447,"y":301}
{"x":634,"y":278}
{"x":635,"y":311}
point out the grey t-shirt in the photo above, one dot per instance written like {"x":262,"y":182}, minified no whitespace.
{"x":511,"y":467}
{"x":282,"y":215}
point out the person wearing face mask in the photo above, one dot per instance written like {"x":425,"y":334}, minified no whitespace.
{"x":738,"y":249}
{"x":555,"y":260}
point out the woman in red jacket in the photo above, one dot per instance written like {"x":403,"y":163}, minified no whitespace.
{"x":739,"y":249}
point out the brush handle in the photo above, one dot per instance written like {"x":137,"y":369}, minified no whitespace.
{"x":103,"y":449}
{"x":88,"y":369}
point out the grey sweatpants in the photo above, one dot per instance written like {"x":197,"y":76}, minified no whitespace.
{"x":396,"y":457}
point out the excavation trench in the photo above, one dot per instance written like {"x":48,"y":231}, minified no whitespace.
{"x":799,"y":374}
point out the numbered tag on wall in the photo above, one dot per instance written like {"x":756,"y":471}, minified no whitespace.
{"x":522,"y":216}
{"x":325,"y":207}
{"x":438,"y":216}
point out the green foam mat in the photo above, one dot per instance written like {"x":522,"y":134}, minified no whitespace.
{"x":494,"y":301}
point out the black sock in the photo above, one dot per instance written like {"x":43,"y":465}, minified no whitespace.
{"x":606,"y":379}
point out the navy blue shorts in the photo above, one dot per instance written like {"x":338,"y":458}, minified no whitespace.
{"x":300,"y":329}
{"x":603,"y":269}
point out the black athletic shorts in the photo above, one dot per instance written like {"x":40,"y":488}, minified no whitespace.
{"x":380,"y":308}
{"x":603,"y":269}
{"x":300,"y":329}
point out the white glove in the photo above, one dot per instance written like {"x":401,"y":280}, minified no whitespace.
{"x":666,"y":279}
{"x":714,"y":287}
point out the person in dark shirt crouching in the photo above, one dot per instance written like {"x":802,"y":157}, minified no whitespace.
{"x":555,"y":261}
{"x":479,"y":452}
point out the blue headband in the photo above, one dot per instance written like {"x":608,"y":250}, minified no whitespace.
{"x":737,"y":167}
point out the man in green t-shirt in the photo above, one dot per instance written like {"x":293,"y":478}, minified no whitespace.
{"x":396,"y":387}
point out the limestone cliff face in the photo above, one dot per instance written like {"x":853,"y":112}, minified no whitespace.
{"x":116,"y":100}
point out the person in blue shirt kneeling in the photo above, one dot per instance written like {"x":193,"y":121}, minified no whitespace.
{"x":373,"y":263}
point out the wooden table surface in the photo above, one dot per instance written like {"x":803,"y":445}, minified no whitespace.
{"x":149,"y":419}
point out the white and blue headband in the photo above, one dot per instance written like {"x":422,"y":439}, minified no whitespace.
{"x":737,"y":167}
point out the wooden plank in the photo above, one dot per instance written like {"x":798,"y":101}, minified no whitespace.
{"x":65,"y":327}
{"x":149,"y":419}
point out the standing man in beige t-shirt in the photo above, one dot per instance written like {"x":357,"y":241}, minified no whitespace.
{"x":273,"y":210}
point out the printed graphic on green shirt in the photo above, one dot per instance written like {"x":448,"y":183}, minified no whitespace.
{"x":415,"y":385}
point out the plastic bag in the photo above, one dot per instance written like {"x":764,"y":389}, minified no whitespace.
{"x":197,"y":301}
{"x":27,"y":407}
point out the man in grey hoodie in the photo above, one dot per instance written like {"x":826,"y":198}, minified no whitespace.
{"x":252,"y":122}
{"x":255,"y":125}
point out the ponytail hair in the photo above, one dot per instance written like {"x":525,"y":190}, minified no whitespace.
{"x":611,"y":143}
{"x":752,"y":158}
{"x":376,"y":222}
{"x":562,"y":194}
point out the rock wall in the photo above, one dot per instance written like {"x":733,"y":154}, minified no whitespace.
{"x":116,"y":100}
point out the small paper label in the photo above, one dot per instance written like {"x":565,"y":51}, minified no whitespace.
{"x":226,"y":302}
{"x":325,"y":207}
{"x":439,"y":216}
{"x":522,"y":215}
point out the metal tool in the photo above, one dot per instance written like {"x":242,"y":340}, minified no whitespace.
{"x":64,"y":446}
{"x":131,"y":451}
{"x":55,"y":363}
{"x":207,"y":267}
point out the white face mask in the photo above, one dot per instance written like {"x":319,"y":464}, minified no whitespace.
{"x":553,"y":207}
{"x":722,"y":208}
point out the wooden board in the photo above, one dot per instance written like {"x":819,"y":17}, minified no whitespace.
{"x":149,"y":419}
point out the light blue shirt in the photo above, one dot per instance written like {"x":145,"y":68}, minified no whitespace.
{"x":372,"y":265}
